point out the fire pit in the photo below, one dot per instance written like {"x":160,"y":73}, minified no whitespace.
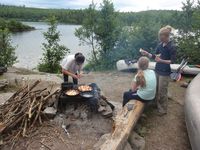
{"x":86,"y":94}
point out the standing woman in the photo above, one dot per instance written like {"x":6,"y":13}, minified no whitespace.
{"x":164,"y":56}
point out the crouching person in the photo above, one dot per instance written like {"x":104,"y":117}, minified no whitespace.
{"x":143,"y":85}
{"x":71,"y":66}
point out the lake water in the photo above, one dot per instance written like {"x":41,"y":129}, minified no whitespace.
{"x":29,"y":44}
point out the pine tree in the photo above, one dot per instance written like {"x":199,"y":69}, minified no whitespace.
{"x":188,"y":42}
{"x":53,"y":52}
{"x":100,"y":30}
{"x":7,"y":51}
{"x":107,"y":33}
{"x":86,"y":33}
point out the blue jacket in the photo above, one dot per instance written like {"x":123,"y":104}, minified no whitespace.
{"x":167,"y":52}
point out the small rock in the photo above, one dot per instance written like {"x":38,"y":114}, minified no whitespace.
{"x":102,"y":102}
{"x":101,"y":108}
{"x":185,"y":84}
{"x":83,"y":116}
{"x":102,"y":139}
{"x":169,"y":95}
{"x":50,"y":112}
{"x":58,"y":120}
{"x":69,"y":110}
{"x":137,"y":142}
{"x":128,"y":146}
{"x":3,"y":83}
{"x":4,"y":97}
{"x":76,"y":114}
{"x":118,"y":107}
{"x":108,"y":112}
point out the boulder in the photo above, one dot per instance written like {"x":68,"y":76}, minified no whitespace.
{"x":102,"y":139}
{"x":137,"y":142}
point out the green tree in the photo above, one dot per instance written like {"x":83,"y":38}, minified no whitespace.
{"x":187,"y":16}
{"x":86,"y":33}
{"x":53,"y":51}
{"x":188,"y":40}
{"x":144,"y":35}
{"x":100,"y":30}
{"x":108,"y":30}
{"x":7,"y":51}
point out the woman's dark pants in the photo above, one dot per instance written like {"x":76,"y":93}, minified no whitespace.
{"x":66,"y":79}
{"x":130,"y":95}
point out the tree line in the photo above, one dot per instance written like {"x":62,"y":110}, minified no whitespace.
{"x":74,"y":16}
{"x":23,"y":13}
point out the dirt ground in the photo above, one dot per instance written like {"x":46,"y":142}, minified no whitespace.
{"x":160,"y":133}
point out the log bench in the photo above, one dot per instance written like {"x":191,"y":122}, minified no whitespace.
{"x":125,"y":121}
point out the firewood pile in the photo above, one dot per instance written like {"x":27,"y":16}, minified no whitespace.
{"x":22,"y":112}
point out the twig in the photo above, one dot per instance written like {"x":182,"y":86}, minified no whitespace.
{"x":45,"y":145}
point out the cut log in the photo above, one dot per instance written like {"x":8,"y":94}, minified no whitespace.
{"x":123,"y":125}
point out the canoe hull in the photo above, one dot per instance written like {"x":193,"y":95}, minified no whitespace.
{"x":192,"y":112}
{"x":122,"y":66}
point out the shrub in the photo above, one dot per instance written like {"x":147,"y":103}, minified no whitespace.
{"x":53,"y":52}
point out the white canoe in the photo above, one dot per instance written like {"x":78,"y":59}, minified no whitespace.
{"x":123,"y":66}
{"x":192,"y":112}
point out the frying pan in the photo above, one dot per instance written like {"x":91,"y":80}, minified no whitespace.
{"x":84,"y":85}
{"x":71,"y":95}
{"x":87,"y":94}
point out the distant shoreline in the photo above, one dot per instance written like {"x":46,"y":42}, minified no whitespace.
{"x":14,"y":26}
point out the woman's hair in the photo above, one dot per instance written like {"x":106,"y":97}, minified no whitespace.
{"x":143,"y":64}
{"x":79,"y":58}
{"x":165,"y":30}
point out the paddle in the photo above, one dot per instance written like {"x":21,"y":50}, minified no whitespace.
{"x":198,"y":66}
{"x":176,"y":76}
{"x":130,"y":61}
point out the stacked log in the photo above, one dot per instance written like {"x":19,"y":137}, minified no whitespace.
{"x":22,"y":111}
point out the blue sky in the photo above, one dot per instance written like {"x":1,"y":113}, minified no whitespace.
{"x":121,"y":5}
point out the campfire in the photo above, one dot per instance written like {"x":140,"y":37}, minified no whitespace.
{"x":90,"y":95}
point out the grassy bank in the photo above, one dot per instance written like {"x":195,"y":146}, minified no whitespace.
{"x":14,"y":26}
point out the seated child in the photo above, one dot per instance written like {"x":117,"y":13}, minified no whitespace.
{"x":144,"y":84}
